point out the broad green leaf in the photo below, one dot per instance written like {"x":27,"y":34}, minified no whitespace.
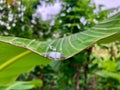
{"x":68,"y":46}
{"x":18,"y":55}
{"x":15,"y":60}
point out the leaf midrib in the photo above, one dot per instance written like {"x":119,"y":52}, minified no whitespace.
{"x":14,"y":59}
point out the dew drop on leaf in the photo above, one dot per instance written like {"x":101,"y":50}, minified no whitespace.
{"x":54,"y":55}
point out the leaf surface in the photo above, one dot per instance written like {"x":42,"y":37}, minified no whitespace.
{"x":15,"y":61}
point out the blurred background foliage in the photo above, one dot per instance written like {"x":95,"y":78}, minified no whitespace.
{"x":97,"y":68}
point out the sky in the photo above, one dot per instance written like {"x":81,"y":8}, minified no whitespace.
{"x":46,"y":11}
{"x":108,"y":3}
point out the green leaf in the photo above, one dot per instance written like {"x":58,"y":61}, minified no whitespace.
{"x":68,"y":46}
{"x":109,"y":66}
{"x":15,"y":60}
{"x":18,"y":55}
{"x":109,"y":75}
{"x":23,"y":85}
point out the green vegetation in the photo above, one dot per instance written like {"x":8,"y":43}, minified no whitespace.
{"x":81,"y":52}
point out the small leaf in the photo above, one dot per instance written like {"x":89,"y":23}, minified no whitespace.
{"x":25,"y":85}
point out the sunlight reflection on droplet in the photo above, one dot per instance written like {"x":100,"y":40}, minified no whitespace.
{"x":54,"y":55}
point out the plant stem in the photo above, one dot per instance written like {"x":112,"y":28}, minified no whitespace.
{"x":13,"y":60}
{"x":77,"y":77}
{"x":86,"y":68}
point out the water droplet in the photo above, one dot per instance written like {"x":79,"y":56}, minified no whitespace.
{"x":54,"y":55}
{"x":52,"y":48}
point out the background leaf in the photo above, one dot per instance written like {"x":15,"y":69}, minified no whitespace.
{"x":23,"y":85}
